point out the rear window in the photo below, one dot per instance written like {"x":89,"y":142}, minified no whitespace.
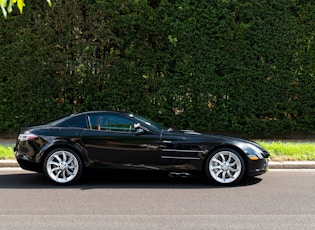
{"x":70,"y":121}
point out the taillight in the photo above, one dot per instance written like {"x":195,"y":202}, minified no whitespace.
{"x":27,"y":136}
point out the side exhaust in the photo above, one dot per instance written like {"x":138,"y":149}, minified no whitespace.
{"x":179,"y":174}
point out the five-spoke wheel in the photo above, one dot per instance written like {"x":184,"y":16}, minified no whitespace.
{"x":63,"y":166}
{"x":225,"y":166}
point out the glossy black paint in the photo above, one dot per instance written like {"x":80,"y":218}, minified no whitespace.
{"x":120,"y":144}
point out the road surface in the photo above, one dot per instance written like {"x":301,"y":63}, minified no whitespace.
{"x":280,"y":199}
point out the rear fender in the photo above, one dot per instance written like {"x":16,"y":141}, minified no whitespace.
{"x":74,"y":146}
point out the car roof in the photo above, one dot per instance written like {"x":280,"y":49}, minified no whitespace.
{"x":68,"y":120}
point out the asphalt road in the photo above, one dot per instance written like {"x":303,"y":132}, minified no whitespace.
{"x":280,"y":199}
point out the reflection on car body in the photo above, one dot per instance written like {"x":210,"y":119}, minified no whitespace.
{"x":63,"y":148}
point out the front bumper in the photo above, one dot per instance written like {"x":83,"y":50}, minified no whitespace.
{"x":258,"y":167}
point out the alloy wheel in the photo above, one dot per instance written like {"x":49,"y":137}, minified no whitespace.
{"x":226,"y":167}
{"x":63,"y":166}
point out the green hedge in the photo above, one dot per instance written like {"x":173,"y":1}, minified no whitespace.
{"x":226,"y":65}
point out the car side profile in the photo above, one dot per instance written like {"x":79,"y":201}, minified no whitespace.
{"x":64,"y":148}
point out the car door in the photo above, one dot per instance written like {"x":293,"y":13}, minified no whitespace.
{"x":113,"y":139}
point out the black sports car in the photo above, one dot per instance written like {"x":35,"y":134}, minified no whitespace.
{"x":64,"y":148}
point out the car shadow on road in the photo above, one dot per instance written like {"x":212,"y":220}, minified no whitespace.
{"x":103,"y":179}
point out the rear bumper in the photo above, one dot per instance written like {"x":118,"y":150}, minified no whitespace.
{"x":27,"y":164}
{"x":256,"y":168}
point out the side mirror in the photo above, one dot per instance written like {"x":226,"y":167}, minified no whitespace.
{"x":139,"y":131}
{"x":139,"y":128}
{"x":136,"y":125}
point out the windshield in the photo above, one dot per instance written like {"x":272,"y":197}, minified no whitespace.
{"x":147,"y":121}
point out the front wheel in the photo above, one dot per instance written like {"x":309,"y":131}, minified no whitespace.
{"x":225,"y":166}
{"x":63,"y":166}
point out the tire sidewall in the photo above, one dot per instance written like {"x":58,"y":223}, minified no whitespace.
{"x":208,"y":173}
{"x":80,"y":168}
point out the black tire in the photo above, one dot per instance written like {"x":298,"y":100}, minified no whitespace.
{"x":63,"y":166}
{"x":224,"y":166}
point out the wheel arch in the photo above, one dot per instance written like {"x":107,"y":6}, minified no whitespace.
{"x":226,"y":146}
{"x":63,"y":145}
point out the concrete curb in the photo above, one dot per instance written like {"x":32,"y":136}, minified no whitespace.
{"x":8,"y":163}
{"x":292,"y":165}
{"x":272,"y":165}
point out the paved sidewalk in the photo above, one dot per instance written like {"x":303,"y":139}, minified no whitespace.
{"x":272,"y":165}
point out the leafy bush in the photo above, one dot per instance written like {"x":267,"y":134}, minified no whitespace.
{"x":243,"y":66}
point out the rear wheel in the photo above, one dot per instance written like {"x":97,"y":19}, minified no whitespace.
{"x":225,"y":166}
{"x":63,"y":166}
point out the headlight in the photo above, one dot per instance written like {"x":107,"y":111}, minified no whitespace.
{"x":255,"y":157}
{"x":252,"y":151}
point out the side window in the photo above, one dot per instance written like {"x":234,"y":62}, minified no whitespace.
{"x":111,"y":122}
{"x":80,"y":124}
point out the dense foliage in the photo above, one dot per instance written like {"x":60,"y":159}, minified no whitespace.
{"x":7,"y":6}
{"x":239,"y":65}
